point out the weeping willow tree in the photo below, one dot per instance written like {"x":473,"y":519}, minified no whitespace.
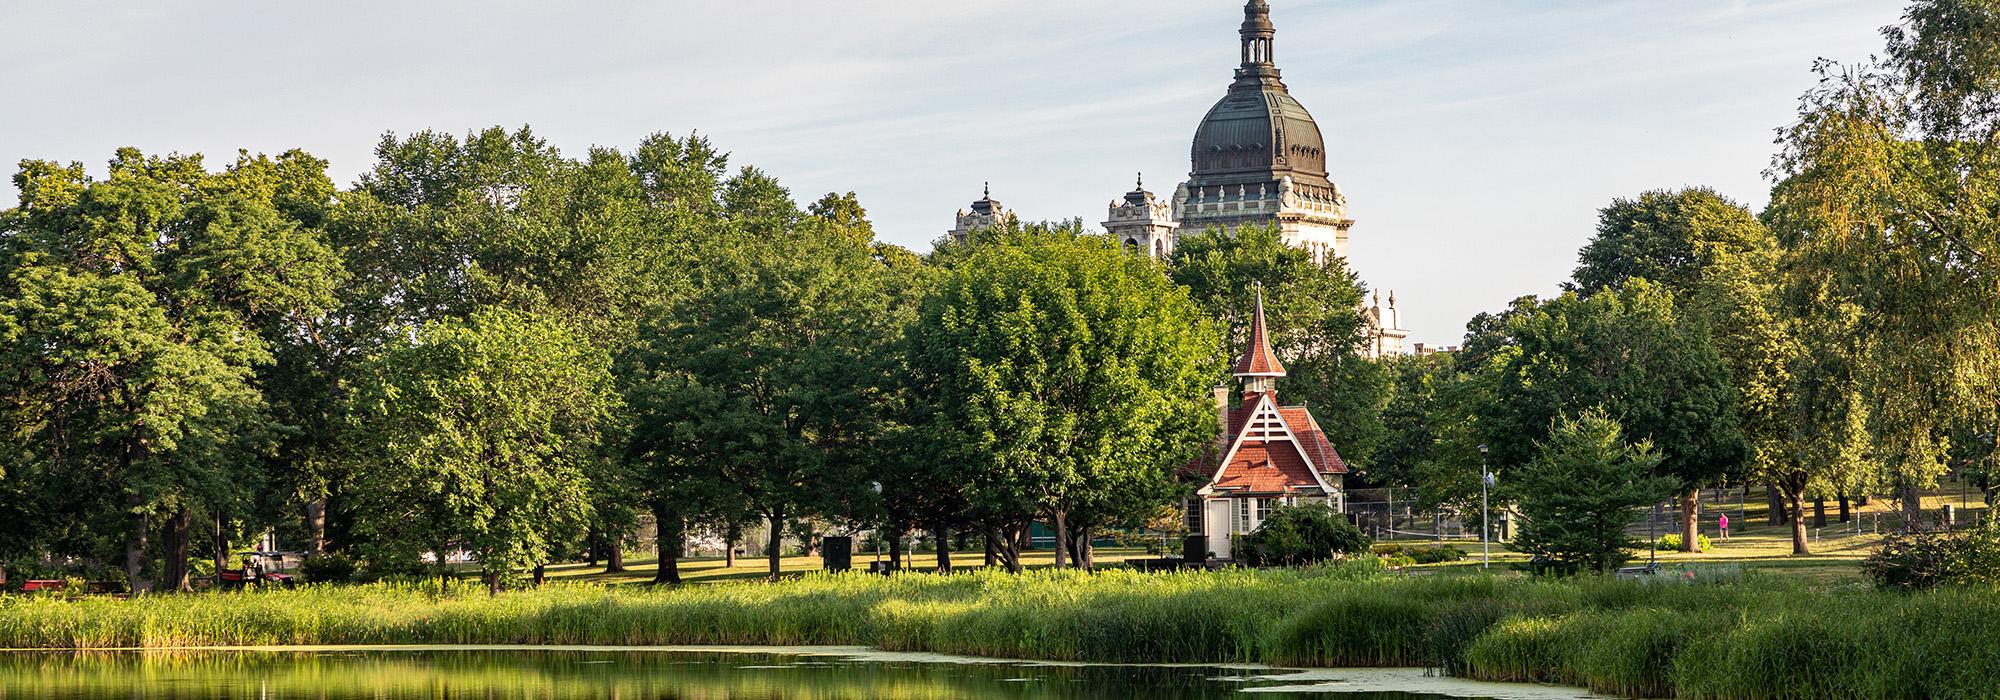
{"x":1890,"y":193}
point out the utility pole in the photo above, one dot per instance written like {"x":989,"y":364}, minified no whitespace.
{"x":1485,"y":524}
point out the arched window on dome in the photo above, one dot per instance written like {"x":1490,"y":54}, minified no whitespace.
{"x":1132,"y":243}
{"x":1159,"y":249}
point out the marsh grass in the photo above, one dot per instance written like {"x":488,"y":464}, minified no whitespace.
{"x":1759,"y":636}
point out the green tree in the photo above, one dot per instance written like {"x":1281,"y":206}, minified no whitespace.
{"x":481,"y":435}
{"x":1717,"y":260}
{"x":1066,"y":378}
{"x":1582,"y":490}
{"x":1433,"y":437}
{"x":138,"y":311}
{"x":771,"y":373}
{"x":1624,"y":351}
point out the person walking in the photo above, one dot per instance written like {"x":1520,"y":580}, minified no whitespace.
{"x":1723,"y":525}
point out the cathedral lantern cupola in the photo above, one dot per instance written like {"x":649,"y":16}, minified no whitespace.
{"x":1260,"y":38}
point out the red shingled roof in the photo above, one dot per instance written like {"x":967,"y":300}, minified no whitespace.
{"x":1266,"y":467}
{"x":1271,"y":466}
{"x":1257,"y":360}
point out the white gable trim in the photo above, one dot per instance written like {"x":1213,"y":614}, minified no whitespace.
{"x":1266,"y":411}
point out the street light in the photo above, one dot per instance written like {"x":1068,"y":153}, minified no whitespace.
{"x":1485,"y":526}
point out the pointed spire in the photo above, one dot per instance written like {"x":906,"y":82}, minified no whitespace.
{"x":989,"y":189}
{"x":1258,"y":360}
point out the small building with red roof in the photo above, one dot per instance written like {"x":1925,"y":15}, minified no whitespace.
{"x":1269,"y":454}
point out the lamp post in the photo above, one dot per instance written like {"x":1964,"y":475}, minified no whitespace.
{"x":1485,"y":524}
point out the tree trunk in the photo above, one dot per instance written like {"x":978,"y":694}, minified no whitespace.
{"x":135,"y":548}
{"x":668,"y":534}
{"x":592,"y":551}
{"x":896,"y":549}
{"x":614,"y":555}
{"x":1690,"y":521}
{"x":1845,"y":515}
{"x":1797,"y":497}
{"x":733,"y":536}
{"x":1819,"y":511}
{"x":1058,"y":521}
{"x":175,"y":571}
{"x":1086,"y":555}
{"x":992,"y":546}
{"x":1775,"y":496}
{"x":809,"y":540}
{"x":316,"y":526}
{"x":962,"y":540}
{"x":943,"y":536}
{"x":492,"y":582}
{"x":1010,"y":548}
{"x":1912,"y":501}
{"x":776,"y":554}
{"x":221,"y":548}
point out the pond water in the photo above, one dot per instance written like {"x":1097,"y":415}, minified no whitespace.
{"x":706,"y":673}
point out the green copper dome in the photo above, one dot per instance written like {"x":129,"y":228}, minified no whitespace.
{"x":1258,"y":132}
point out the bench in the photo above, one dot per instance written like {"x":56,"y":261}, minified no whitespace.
{"x":44,"y":585}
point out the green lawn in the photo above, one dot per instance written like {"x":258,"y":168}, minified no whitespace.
{"x":1754,"y":545}
{"x":714,"y":569}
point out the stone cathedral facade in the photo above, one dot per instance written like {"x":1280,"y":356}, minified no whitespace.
{"x":1258,"y":159}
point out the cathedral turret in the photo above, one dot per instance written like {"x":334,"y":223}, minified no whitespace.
{"x":1142,"y":222}
{"x":1386,"y":334}
{"x":986,"y":213}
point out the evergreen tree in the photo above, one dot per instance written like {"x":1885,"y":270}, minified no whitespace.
{"x":1584,"y":487}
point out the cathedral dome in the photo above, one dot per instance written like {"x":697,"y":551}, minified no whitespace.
{"x":1261,"y":133}
{"x":1258,"y":132}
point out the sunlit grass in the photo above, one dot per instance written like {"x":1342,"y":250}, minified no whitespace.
{"x":1759,"y":635}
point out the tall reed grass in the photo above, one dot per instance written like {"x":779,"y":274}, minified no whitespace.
{"x":1760,"y":637}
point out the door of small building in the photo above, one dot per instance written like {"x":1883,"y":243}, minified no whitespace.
{"x":1220,"y":521}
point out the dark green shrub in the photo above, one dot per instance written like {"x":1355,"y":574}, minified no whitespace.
{"x":1672,"y":543}
{"x":1436,"y":555}
{"x":328,"y":568}
{"x":1922,"y":560}
{"x":1303,"y":534}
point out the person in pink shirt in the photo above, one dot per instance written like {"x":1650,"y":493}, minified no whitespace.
{"x":1723,"y":524}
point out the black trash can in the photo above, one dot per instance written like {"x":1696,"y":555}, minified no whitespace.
{"x":1194,"y":549}
{"x":837,"y":553}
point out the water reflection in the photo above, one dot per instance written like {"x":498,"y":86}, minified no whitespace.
{"x":615,"y":675}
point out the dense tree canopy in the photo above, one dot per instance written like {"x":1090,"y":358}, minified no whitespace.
{"x":1068,"y":379}
{"x":481,"y":434}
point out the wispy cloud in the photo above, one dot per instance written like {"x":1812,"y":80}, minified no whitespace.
{"x":1476,"y":139}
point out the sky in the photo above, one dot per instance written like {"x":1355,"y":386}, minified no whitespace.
{"x":1475,"y":139}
